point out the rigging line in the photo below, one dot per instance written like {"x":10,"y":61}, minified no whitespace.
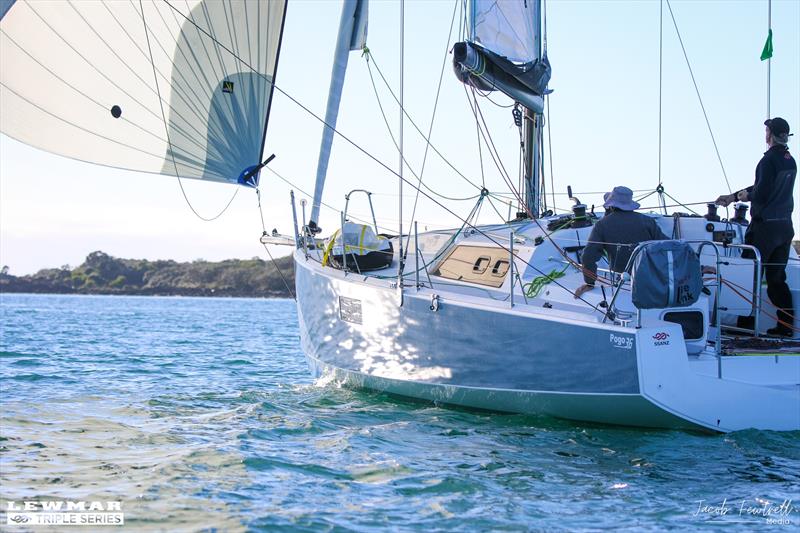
{"x":110,"y":49}
{"x":480,"y":153}
{"x":397,"y":147}
{"x":433,"y":117}
{"x":522,"y":152}
{"x":62,"y":80}
{"x":699,"y":98}
{"x":510,"y":26}
{"x":680,"y":204}
{"x":472,"y":101}
{"x":673,"y":205}
{"x":123,"y":62}
{"x":234,"y":37}
{"x":544,"y":31}
{"x":99,"y":71}
{"x":550,"y":137}
{"x":247,"y":29}
{"x":74,"y":125}
{"x":144,"y":54}
{"x":499,"y":214}
{"x":540,"y":146}
{"x":323,"y":204}
{"x":216,"y":48}
{"x":490,"y":144}
{"x":280,"y":272}
{"x":199,"y":69}
{"x":209,"y":92}
{"x":389,"y":169}
{"x":266,"y":248}
{"x":208,"y":55}
{"x":166,"y":128}
{"x":651,"y":193}
{"x":660,"y":79}
{"x":433,"y":147}
{"x":231,"y":28}
{"x":487,"y":95}
{"x":187,"y":101}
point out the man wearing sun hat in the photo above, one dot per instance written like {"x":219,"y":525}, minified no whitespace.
{"x":772,"y":202}
{"x":616,"y":234}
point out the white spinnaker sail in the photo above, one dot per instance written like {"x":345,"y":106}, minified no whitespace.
{"x":189,"y":97}
{"x":506,"y":27}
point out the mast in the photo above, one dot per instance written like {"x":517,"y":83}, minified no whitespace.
{"x":532,"y":134}
{"x":505,"y":51}
{"x":352,"y":36}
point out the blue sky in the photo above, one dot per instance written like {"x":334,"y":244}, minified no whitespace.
{"x":604,"y":123}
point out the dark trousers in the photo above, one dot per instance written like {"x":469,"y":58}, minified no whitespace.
{"x":774,"y":240}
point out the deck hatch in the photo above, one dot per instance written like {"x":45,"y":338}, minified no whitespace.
{"x":483,"y":265}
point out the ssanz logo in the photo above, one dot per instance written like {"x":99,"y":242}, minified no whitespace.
{"x":660,"y":338}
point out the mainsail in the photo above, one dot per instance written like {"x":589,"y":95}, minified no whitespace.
{"x":503,"y":51}
{"x":181,"y":88}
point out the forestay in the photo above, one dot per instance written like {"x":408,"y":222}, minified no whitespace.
{"x":176,"y":88}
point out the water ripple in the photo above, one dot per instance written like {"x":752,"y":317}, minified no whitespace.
{"x":199,"y":420}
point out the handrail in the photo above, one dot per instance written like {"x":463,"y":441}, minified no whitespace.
{"x":717,"y":316}
{"x":717,"y":298}
{"x":416,"y":256}
{"x":756,"y":304}
{"x":344,"y":244}
{"x":369,"y":197}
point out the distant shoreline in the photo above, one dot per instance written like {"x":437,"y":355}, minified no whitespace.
{"x":3,"y":293}
{"x":102,"y":274}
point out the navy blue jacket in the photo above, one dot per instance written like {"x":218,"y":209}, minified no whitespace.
{"x":771,"y":196}
{"x":617,"y":234}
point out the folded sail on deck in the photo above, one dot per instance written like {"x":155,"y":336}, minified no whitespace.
{"x":170,"y":87}
{"x":502,"y":50}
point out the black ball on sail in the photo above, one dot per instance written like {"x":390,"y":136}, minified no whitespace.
{"x":116,"y":111}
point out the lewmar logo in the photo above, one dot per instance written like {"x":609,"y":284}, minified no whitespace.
{"x":660,"y":339}
{"x":618,"y":341}
{"x":65,"y":513}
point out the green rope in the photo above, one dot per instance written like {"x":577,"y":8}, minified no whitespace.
{"x":533,"y":288}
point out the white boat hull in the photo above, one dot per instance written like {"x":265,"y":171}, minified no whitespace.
{"x":525,"y":360}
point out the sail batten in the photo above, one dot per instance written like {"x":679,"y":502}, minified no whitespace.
{"x":172,"y":88}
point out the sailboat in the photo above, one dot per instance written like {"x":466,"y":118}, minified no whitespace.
{"x":478,"y":316}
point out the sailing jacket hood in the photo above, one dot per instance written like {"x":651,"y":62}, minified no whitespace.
{"x":771,"y":195}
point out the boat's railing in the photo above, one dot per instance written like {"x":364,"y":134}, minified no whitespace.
{"x":755,"y":309}
{"x":371,"y":209}
{"x":717,"y":315}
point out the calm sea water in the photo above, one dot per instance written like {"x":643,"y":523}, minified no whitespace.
{"x":200,"y":414}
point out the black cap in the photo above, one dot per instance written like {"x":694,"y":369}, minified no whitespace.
{"x":777,"y":126}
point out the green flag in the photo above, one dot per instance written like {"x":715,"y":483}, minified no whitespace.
{"x":766,"y":53}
